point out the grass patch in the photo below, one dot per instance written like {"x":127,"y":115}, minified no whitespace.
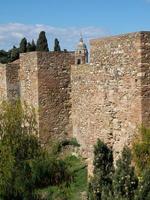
{"x":78,"y":185}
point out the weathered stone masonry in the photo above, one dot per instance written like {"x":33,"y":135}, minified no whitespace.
{"x":111,"y":96}
{"x":42,"y":79}
{"x":45,"y":83}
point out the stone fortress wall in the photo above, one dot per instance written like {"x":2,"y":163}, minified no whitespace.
{"x":45,"y":83}
{"x":42,"y":79}
{"x":109,"y":98}
{"x":111,"y":95}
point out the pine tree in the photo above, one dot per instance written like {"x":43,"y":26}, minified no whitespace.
{"x":23,"y":46}
{"x":42,"y":44}
{"x":125,"y":181}
{"x":101,"y":184}
{"x":57,"y":45}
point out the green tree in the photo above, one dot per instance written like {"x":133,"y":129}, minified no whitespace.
{"x":25,"y":166}
{"x":31,"y":46}
{"x":42,"y":44}
{"x":56,"y":45}
{"x":3,"y":56}
{"x":125,"y":182}
{"x":23,"y":45}
{"x":18,"y":146}
{"x":101,"y":184}
{"x":14,"y":54}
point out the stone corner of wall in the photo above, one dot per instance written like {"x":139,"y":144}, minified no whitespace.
{"x":28,"y":54}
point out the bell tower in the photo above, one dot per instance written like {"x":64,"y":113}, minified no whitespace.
{"x":81,"y":53}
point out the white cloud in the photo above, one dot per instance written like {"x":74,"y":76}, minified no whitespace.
{"x":11,"y":34}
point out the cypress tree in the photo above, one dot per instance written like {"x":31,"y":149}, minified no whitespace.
{"x":125,"y":181}
{"x":23,"y":46}
{"x":101,"y":184}
{"x":29,"y":47}
{"x":42,"y":44}
{"x":57,"y":45}
{"x":33,"y":46}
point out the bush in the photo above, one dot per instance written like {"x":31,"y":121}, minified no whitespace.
{"x":24,"y":165}
{"x":103,"y":170}
{"x":18,"y":146}
{"x":125,"y":181}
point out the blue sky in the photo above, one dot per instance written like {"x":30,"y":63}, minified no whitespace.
{"x":65,"y":19}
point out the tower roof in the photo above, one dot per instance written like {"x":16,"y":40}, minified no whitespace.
{"x":81,"y":45}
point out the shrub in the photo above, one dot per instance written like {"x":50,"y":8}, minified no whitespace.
{"x":103,"y":170}
{"x":24,"y":165}
{"x":125,"y":181}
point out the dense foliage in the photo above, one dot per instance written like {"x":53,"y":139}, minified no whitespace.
{"x":121,"y":182}
{"x":26,"y":46}
{"x":125,"y":182}
{"x":13,"y":54}
{"x":25,"y":167}
{"x":101,"y":183}
{"x":31,"y":46}
{"x":29,"y":171}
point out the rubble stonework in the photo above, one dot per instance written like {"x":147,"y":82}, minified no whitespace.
{"x":45,"y":84}
{"x":12,"y":80}
{"x":109,"y":98}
